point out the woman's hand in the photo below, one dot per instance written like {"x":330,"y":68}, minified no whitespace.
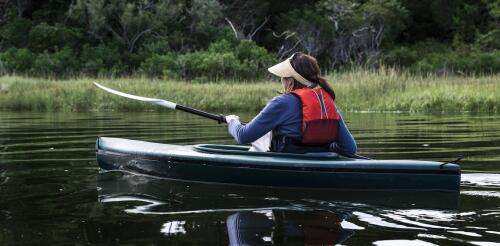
{"x":232,"y":117}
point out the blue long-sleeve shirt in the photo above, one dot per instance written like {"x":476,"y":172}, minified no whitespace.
{"x":283,"y":114}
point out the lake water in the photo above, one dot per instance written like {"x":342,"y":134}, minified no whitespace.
{"x":51,"y":191}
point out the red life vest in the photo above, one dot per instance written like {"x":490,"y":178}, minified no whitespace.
{"x":320,"y":120}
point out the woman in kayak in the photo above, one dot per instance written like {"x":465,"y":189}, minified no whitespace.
{"x":303,"y":119}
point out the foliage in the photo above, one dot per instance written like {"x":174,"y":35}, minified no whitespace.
{"x":14,"y":33}
{"x":222,"y":59}
{"x":203,"y":14}
{"x":206,"y":40}
{"x":126,"y":21}
{"x":389,"y":13}
{"x":433,"y":57}
{"x":489,"y":41}
{"x":45,"y":37}
{"x":311,"y":32}
{"x":17,"y":60}
{"x":343,"y":32}
{"x":55,"y":64}
{"x":101,"y":60}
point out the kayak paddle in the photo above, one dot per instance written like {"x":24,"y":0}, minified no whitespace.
{"x":167,"y":104}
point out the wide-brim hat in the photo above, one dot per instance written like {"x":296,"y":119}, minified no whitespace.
{"x":285,"y":69}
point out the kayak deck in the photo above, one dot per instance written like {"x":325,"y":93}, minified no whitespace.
{"x":236,"y":165}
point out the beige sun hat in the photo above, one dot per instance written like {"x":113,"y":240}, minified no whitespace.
{"x":284,"y":69}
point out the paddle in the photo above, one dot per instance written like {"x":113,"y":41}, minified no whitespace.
{"x":167,"y":104}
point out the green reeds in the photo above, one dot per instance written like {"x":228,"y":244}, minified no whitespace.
{"x":390,"y":90}
{"x":358,"y":90}
{"x":28,"y":94}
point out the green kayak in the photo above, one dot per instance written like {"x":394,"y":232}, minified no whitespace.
{"x":230,"y":164}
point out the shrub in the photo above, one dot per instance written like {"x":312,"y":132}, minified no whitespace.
{"x":489,"y":41}
{"x":14,"y":33}
{"x":101,"y":60}
{"x":253,"y":58}
{"x":46,"y":37}
{"x":407,"y":56}
{"x":432,"y":57}
{"x":155,"y":45}
{"x":158,"y":65}
{"x":17,"y":60}
{"x":60,"y":63}
{"x":208,"y":65}
{"x":221,"y":60}
{"x":400,"y":56}
{"x":476,"y":62}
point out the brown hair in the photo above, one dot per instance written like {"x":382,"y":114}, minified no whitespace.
{"x":292,"y":86}
{"x":308,"y":67}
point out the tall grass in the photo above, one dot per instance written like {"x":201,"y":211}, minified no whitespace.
{"x":360,"y":90}
{"x":390,"y":90}
{"x":17,"y":93}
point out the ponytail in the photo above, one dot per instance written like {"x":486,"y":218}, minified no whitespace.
{"x":324,"y":85}
{"x":307,"y":66}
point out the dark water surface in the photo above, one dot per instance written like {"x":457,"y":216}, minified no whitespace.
{"x":51,"y":192}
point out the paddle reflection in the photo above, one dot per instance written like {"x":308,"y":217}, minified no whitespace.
{"x":286,"y":227}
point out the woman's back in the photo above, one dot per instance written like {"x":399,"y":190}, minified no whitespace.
{"x":283,"y":115}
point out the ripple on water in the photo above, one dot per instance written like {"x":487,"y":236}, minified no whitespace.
{"x":484,"y":243}
{"x":415,"y":242}
{"x":481,"y":193}
{"x":481,"y":179}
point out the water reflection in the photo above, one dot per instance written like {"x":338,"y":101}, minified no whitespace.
{"x":269,"y":216}
{"x":286,"y":227}
{"x":48,"y":183}
{"x":164,"y":196}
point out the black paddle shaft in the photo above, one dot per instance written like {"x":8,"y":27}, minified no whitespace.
{"x":217,"y":117}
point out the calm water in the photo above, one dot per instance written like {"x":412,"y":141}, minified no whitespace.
{"x":51,"y":192}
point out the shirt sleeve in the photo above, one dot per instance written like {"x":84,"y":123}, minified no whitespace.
{"x":271,"y":116}
{"x":345,"y":141}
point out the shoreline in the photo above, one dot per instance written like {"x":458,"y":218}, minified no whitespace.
{"x":357,"y":91}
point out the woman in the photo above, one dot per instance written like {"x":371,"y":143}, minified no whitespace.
{"x":303,"y":119}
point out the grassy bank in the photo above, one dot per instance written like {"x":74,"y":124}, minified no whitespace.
{"x":388,"y":90}
{"x":30,"y":94}
{"x":382,"y":90}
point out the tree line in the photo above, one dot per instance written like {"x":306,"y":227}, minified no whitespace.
{"x":224,"y":39}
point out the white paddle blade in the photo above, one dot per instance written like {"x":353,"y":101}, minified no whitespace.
{"x":159,"y":102}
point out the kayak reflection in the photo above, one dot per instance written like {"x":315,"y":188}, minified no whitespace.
{"x":286,"y":227}
{"x":164,"y":196}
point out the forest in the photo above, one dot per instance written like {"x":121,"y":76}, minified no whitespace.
{"x":212,"y":40}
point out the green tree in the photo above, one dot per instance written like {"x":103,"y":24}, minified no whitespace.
{"x":125,"y":21}
{"x":44,"y":37}
{"x":343,"y":32}
{"x":14,"y":32}
{"x":246,"y":18}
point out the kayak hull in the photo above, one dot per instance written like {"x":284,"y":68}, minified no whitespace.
{"x":318,"y":172}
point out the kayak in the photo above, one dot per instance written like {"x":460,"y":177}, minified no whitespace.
{"x":233,"y":164}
